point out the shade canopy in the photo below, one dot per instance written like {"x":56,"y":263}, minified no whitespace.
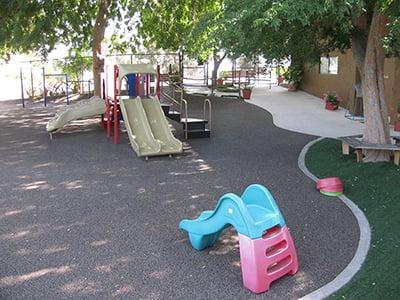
{"x":125,"y":69}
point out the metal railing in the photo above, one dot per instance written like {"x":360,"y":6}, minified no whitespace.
{"x":175,"y":88}
{"x":207,"y":103}
{"x":185,"y":106}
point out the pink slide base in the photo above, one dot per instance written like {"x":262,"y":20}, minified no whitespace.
{"x":267,"y":259}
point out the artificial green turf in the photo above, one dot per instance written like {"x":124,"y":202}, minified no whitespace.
{"x":375,"y":188}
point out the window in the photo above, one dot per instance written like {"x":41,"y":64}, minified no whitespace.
{"x":329,"y":65}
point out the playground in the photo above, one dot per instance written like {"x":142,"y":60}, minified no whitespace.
{"x":199,"y":149}
{"x":106,"y":225}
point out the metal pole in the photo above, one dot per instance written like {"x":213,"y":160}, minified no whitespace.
{"x":66,"y":88}
{"x":181,"y":69}
{"x":158,"y":83}
{"x":207,"y":73}
{"x":44,"y":88}
{"x":33,"y":94}
{"x":88,"y":88}
{"x":22,"y":88}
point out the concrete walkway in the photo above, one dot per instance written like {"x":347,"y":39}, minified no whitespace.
{"x":302,"y":112}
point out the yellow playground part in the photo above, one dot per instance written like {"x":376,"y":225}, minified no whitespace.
{"x":147,"y":127}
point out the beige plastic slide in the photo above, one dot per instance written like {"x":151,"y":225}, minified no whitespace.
{"x":82,"y":109}
{"x":147,"y":127}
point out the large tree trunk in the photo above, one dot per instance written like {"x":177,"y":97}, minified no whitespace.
{"x":369,"y":57}
{"x":217,"y":63}
{"x":98,"y":37}
{"x":375,"y":110}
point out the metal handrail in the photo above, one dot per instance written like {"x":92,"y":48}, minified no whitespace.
{"x":186,"y":117}
{"x":207,"y":101}
{"x":175,"y":88}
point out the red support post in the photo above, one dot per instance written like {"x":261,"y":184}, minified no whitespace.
{"x":102,"y":93}
{"x":108,"y":106}
{"x":158,"y":82}
{"x":115,"y":105}
{"x":147,"y":85}
{"x":137,"y":81}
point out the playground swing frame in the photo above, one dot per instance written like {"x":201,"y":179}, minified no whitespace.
{"x":54,"y":75}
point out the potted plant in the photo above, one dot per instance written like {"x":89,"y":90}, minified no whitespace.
{"x":397,"y":123}
{"x":331,"y":100}
{"x":175,"y":78}
{"x":246,"y":92}
{"x":220,"y":81}
{"x":294,"y":75}
{"x":281,"y":78}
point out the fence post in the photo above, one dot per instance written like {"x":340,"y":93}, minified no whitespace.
{"x":22,"y":88}
{"x":44,"y":88}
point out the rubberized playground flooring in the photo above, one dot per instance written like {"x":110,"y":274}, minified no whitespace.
{"x":81,"y":217}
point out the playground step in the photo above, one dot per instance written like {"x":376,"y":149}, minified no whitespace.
{"x":197,"y":134}
{"x":267,"y":259}
{"x":166,"y":108}
{"x":194,"y":124}
{"x":174,"y":115}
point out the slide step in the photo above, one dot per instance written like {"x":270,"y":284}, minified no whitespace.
{"x":194,"y":124}
{"x":197,"y":134}
{"x":174,"y":115}
{"x":166,"y":108}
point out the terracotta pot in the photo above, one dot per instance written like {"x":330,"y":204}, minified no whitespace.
{"x":246,"y":93}
{"x":397,"y":126}
{"x":220,"y":82}
{"x":280,"y":79}
{"x":292,"y":87}
{"x":331,"y":106}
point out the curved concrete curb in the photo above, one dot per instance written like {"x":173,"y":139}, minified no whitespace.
{"x":363,"y":245}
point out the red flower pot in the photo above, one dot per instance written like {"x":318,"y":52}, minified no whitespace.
{"x":397,"y":126}
{"x":220,"y":82}
{"x":331,"y":106}
{"x":246,"y":93}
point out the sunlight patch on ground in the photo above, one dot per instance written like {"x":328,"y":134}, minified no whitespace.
{"x":228,"y":242}
{"x":72,"y":185}
{"x":103,"y":269}
{"x":82,"y":286}
{"x":302,"y":280}
{"x":44,"y":165}
{"x":197,"y":196}
{"x":17,"y":279}
{"x":126,"y":289}
{"x":19,"y":211}
{"x":54,"y":249}
{"x":159,"y":274}
{"x":14,"y":235}
{"x":36,"y":185}
{"x":99,"y":243}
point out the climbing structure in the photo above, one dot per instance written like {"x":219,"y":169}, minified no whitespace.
{"x":267,"y":250}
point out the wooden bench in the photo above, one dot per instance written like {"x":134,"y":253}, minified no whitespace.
{"x":358,"y":145}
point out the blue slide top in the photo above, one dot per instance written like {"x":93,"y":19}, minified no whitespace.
{"x":251,"y":215}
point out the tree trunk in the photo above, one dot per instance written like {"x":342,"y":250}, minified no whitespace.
{"x":375,"y":110}
{"x":217,"y":63}
{"x":98,"y":37}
